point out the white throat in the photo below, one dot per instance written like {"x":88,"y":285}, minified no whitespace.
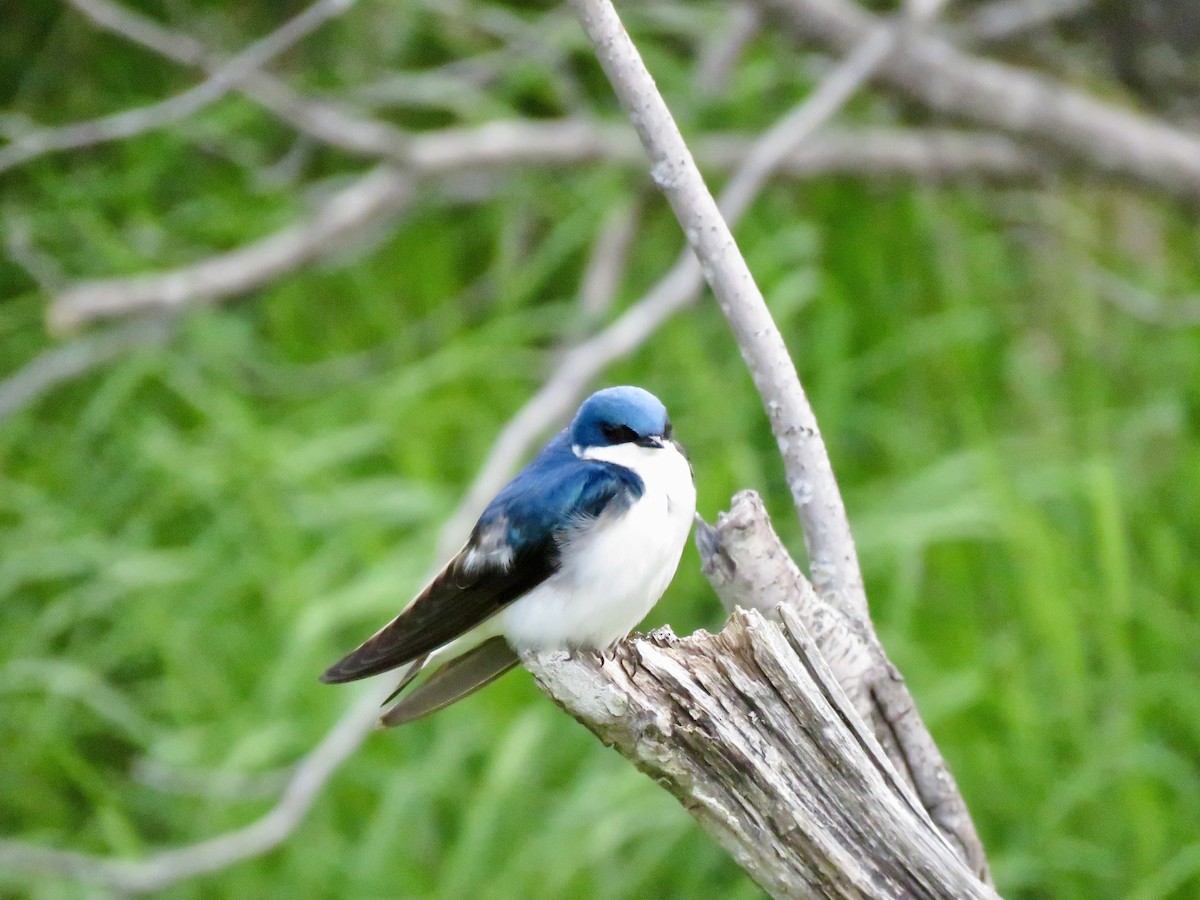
{"x":616,"y":569}
{"x":662,"y":468}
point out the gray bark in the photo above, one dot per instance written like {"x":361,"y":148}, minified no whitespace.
{"x":750,"y":731}
{"x":749,"y":567}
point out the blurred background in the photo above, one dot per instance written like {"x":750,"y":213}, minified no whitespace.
{"x":246,"y":377}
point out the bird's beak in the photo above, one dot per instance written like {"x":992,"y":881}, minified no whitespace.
{"x":651,"y":441}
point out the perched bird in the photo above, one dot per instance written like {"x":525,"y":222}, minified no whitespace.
{"x":571,"y":554}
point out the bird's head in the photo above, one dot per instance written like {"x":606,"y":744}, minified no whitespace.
{"x":621,"y":415}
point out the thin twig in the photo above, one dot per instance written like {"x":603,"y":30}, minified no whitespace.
{"x":1002,"y":20}
{"x":879,"y":152}
{"x":335,"y":124}
{"x":719,"y":55}
{"x":236,"y":786}
{"x":368,"y":200}
{"x":168,"y":867}
{"x":606,"y":265}
{"x":933,"y":155}
{"x":143,"y":30}
{"x":23,"y":250}
{"x":155,"y":116}
{"x":60,"y":364}
{"x":1147,"y":307}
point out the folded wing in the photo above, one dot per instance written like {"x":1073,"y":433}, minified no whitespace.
{"x":514,"y":547}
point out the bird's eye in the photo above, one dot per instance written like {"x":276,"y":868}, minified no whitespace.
{"x":618,"y":434}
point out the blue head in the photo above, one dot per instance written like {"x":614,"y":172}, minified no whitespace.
{"x":621,"y":415}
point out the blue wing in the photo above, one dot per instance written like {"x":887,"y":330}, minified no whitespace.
{"x":514,"y":547}
{"x":552,"y":492}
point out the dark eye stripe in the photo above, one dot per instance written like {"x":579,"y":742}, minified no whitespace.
{"x":619,"y":434}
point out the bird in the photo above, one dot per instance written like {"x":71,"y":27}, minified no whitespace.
{"x":570,"y":555}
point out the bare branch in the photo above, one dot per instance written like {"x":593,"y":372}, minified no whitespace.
{"x":881,"y":153}
{"x":132,"y":122}
{"x":751,"y":732}
{"x":235,"y":786}
{"x":935,"y":155}
{"x":677,"y":289}
{"x":379,"y":195}
{"x":827,"y":534}
{"x":544,"y":40}
{"x":64,"y":363}
{"x":832,"y":554}
{"x":22,"y":250}
{"x":721,"y":51}
{"x":170,"y":866}
{"x":500,"y":143}
{"x":1002,"y":20}
{"x":1105,"y":137}
{"x":143,"y":30}
{"x":874,"y":153}
{"x":1178,"y":312}
{"x":333,"y":124}
{"x":602,"y":276}
{"x":370,"y":199}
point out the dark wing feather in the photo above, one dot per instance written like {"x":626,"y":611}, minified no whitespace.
{"x":513,"y":548}
{"x":453,"y":603}
{"x":462,"y":676}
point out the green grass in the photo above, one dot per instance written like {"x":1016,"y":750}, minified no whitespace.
{"x":189,"y":535}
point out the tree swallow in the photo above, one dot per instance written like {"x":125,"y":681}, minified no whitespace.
{"x":571,"y":555}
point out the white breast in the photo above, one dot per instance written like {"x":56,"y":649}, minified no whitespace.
{"x":616,"y":570}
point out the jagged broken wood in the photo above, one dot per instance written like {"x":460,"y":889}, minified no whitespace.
{"x":750,"y":732}
{"x":749,"y":567}
{"x":768,"y":734}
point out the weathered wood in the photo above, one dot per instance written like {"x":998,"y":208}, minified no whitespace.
{"x":750,"y":730}
{"x":749,"y":567}
{"x":788,"y":735}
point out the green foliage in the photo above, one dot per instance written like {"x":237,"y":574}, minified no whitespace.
{"x":189,"y":535}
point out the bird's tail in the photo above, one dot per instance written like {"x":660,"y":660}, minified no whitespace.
{"x":458,"y":678}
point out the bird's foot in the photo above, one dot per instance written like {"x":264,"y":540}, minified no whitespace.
{"x":629,"y":665}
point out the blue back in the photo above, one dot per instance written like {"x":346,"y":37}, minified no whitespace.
{"x":556,"y":492}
